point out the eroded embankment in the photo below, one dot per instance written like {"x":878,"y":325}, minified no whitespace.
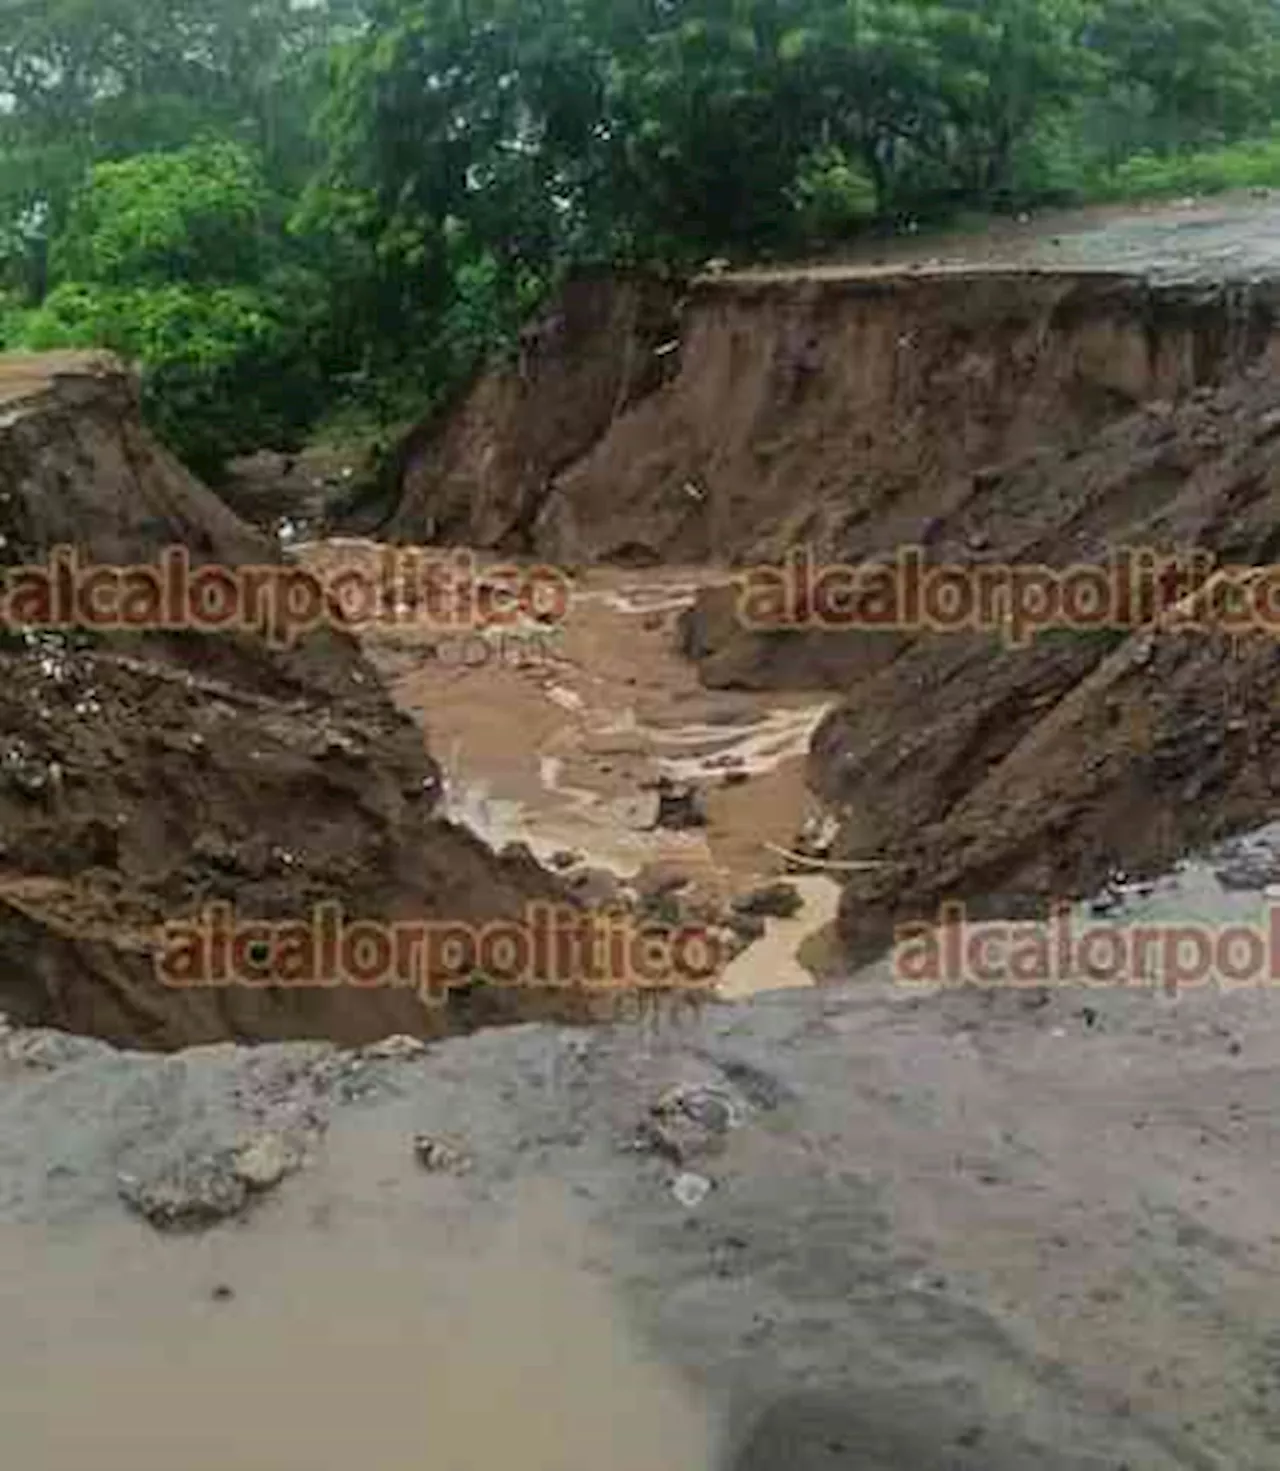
{"x":755,"y":412}
{"x":987,"y":417}
{"x":145,"y":776}
{"x":480,"y":474}
{"x":1008,"y":777}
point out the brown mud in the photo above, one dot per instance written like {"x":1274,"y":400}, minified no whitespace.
{"x":144,"y":777}
{"x":988,"y":416}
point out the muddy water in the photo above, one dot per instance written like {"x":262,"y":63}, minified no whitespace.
{"x":559,"y":752}
{"x":415,"y":1353}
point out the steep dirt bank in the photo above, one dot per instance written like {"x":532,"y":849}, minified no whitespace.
{"x":815,"y":409}
{"x":143,"y":777}
{"x":479,"y":474}
{"x":1011,"y":776}
{"x":989,"y":417}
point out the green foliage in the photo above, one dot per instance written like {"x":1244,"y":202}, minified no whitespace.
{"x":196,"y":215}
{"x":1187,"y":72}
{"x":833,"y":196}
{"x":1249,"y":165}
{"x":274,"y":205}
{"x":163,"y":260}
{"x":222,"y":367}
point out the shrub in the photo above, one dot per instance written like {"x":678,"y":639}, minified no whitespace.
{"x":832,"y":196}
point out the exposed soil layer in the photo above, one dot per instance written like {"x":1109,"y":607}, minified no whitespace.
{"x":143,"y":777}
{"x":985,"y":416}
{"x":1008,"y":777}
{"x":480,"y":473}
{"x":807,"y":408}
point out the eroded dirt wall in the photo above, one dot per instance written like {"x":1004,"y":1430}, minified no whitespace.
{"x":143,"y":777}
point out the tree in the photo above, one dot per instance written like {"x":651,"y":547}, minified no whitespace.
{"x":1185,"y":72}
{"x":94,"y":80}
{"x":164,"y":259}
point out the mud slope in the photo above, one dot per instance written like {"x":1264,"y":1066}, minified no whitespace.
{"x":479,"y":474}
{"x":143,"y":777}
{"x":1008,"y":777}
{"x":814,"y":408}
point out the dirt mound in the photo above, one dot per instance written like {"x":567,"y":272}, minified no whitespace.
{"x":1011,"y":776}
{"x":144,"y":776}
{"x":478,"y":474}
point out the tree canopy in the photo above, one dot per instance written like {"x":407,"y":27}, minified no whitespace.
{"x":273,"y":202}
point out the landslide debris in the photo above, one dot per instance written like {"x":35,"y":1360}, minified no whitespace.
{"x":1009,"y":777}
{"x":143,"y":777}
{"x":986,"y":417}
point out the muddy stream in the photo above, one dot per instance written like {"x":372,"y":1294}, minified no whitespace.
{"x":555,"y":738}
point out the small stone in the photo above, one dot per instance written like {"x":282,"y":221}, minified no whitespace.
{"x":264,"y":1162}
{"x":818,"y":837}
{"x":222,"y":1293}
{"x":597,"y":888}
{"x":186,"y":1195}
{"x":439,"y":1156}
{"x":748,"y":928}
{"x":774,"y":901}
{"x":395,"y":1049}
{"x":681,"y":806}
{"x":691,"y":1190}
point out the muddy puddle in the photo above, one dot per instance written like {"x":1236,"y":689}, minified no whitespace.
{"x":391,"y":1344}
{"x":558,"y":743}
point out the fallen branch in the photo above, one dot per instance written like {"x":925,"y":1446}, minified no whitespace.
{"x":864,"y":866}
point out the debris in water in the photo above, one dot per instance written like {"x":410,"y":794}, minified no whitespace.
{"x":774,"y":901}
{"x":681,"y":806}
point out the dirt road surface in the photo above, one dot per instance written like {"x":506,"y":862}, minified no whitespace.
{"x":998,"y":1231}
{"x":1231,"y":237}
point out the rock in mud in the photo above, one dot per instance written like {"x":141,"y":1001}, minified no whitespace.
{"x":748,"y":928}
{"x":198,"y":1189}
{"x":774,"y":901}
{"x":189,"y":1196}
{"x":597,"y":888}
{"x":440,"y":1156}
{"x":396,"y":1049}
{"x":682,"y":806}
{"x":691,"y":1190}
{"x":691,"y":1121}
{"x":264,"y":1161}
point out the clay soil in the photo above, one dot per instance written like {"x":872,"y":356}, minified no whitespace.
{"x":1004,"y":414}
{"x":145,"y":777}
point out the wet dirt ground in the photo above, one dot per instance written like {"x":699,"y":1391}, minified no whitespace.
{"x":968,"y":1232}
{"x":1234,"y":237}
{"x":554,"y":737}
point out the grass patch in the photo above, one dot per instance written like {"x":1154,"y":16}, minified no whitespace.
{"x":1254,"y":164}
